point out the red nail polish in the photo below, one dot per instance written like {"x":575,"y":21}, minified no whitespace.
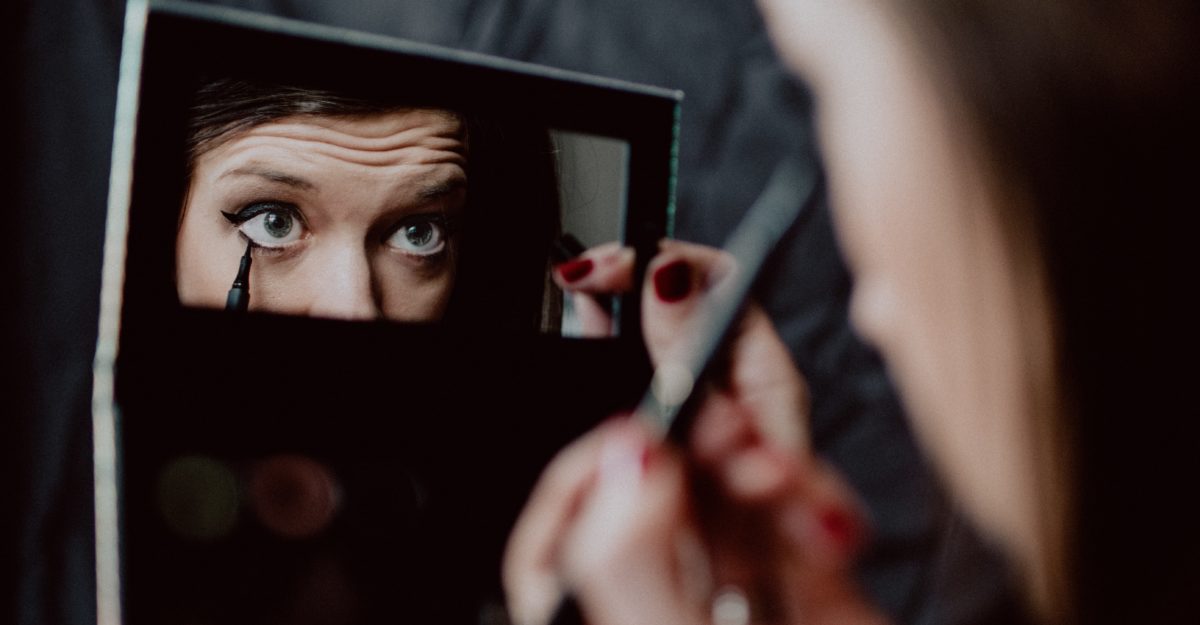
{"x":840,"y":528}
{"x":647,"y":457}
{"x":673,"y":281}
{"x":576,"y":270}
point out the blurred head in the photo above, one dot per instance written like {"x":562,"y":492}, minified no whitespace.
{"x":359,"y":208}
{"x":982,"y":157}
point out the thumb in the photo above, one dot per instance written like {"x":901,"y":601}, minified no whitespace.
{"x":620,"y":559}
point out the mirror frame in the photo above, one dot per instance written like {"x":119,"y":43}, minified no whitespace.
{"x":150,"y":345}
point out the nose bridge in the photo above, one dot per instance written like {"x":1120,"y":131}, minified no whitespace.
{"x":342,"y":285}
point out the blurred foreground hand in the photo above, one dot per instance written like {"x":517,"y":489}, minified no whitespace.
{"x":742,"y":526}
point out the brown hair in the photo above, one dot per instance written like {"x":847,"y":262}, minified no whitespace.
{"x":1087,"y":112}
{"x":224,"y":107}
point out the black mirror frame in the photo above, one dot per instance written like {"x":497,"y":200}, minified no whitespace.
{"x":154,"y":353}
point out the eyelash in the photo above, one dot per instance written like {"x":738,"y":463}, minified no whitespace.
{"x":447,"y":224}
{"x":253,"y":209}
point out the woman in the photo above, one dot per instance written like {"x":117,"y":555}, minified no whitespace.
{"x":365,"y":207}
{"x":1005,"y":179}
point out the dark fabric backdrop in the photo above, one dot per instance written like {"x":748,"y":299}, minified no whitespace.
{"x":741,"y":114}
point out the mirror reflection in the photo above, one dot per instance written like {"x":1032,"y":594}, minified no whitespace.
{"x":309,"y":202}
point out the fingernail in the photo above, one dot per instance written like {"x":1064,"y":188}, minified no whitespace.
{"x":620,"y":480}
{"x":673,"y":281}
{"x":647,"y":457}
{"x":576,"y":270}
{"x":626,"y":444}
{"x":840,"y":528}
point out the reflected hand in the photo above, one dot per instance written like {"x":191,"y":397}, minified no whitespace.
{"x":601,"y":271}
{"x":641,"y":533}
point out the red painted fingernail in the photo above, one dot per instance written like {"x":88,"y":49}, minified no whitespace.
{"x":673,"y":281}
{"x":649,"y":455}
{"x":576,"y":270}
{"x":840,"y":528}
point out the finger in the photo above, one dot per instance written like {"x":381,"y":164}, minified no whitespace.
{"x":721,"y":428}
{"x":764,"y":379}
{"x":758,"y":368}
{"x":529,"y":569}
{"x":622,"y":557}
{"x":742,"y":432}
{"x":816,"y":522}
{"x":821,"y":510}
{"x":676,"y":278}
{"x":823,"y":528}
{"x":727,"y":444}
{"x":821,"y":514}
{"x":790,"y":542}
{"x":604,"y":269}
{"x":816,"y":510}
{"x":593,"y":319}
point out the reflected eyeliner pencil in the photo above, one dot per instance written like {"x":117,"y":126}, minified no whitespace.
{"x":238,"y":298}
{"x":667,"y":406}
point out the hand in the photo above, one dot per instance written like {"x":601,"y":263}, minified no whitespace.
{"x":641,"y":533}
{"x":760,"y":374}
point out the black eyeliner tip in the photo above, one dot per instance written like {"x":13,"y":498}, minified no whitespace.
{"x":232,"y":217}
{"x":238,"y":299}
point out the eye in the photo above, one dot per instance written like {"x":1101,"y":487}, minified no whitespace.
{"x":269,"y":224}
{"x":420,"y":235}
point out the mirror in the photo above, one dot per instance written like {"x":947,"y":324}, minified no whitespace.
{"x":354,"y":446}
{"x":306,"y":201}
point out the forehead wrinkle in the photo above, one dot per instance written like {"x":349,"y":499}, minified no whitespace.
{"x":414,"y":150}
{"x":372,"y":132}
{"x":427,"y":175}
{"x":251,"y":170}
{"x":419,"y":135}
{"x":429,"y":168}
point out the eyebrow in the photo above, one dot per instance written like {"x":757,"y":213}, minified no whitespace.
{"x":441,"y":188}
{"x":272,"y":175}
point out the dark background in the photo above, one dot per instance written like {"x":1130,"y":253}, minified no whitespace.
{"x":741,"y":114}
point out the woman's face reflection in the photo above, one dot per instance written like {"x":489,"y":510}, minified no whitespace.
{"x":350,"y":217}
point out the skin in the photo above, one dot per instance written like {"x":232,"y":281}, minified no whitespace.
{"x":957,"y":308}
{"x":642,"y":533}
{"x":953,"y":300}
{"x":364,"y":193}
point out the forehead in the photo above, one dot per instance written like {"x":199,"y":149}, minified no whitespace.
{"x":415,"y":122}
{"x":397,"y":137}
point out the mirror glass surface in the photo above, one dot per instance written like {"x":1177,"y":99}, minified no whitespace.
{"x":311,"y":202}
{"x":592,"y":182}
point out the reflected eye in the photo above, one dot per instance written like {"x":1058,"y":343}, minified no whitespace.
{"x":269,"y":224}
{"x":421,"y":235}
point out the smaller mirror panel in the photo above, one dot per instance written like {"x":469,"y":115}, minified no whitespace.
{"x":592,"y":182}
{"x":592,"y":174}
